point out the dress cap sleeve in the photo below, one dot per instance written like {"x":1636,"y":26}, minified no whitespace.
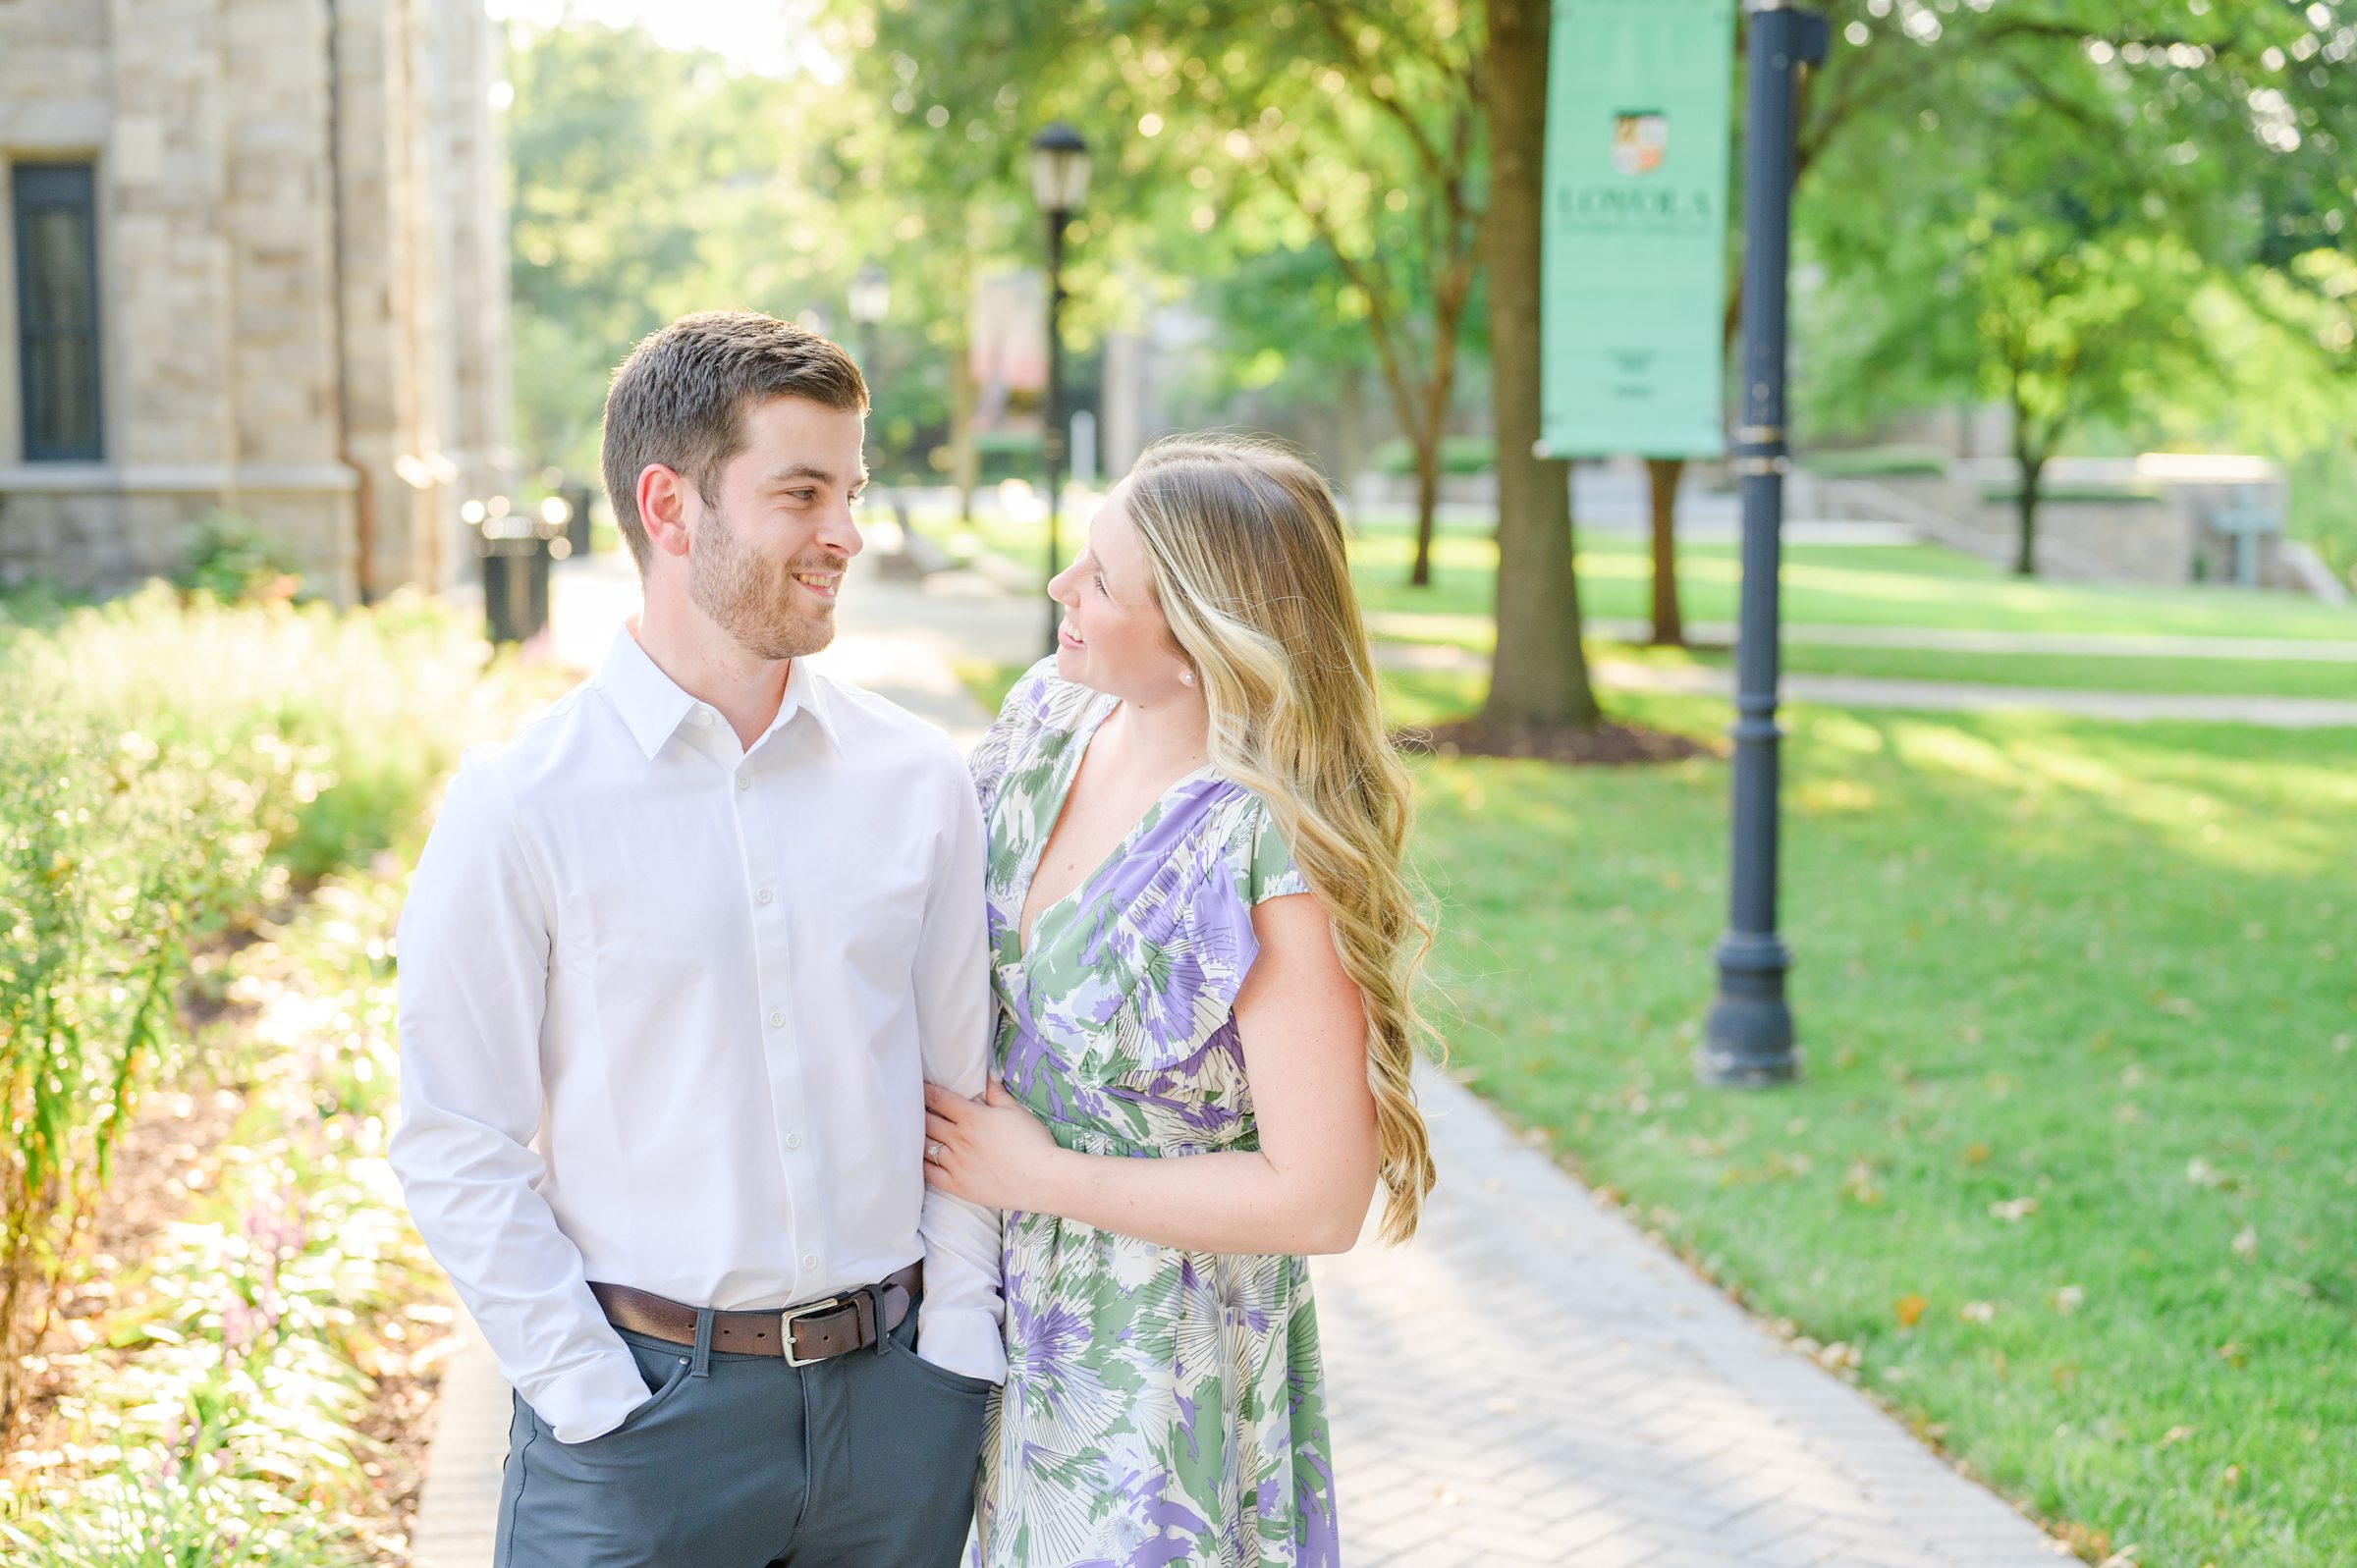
{"x":1262,"y":861}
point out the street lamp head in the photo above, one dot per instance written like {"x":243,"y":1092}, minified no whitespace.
{"x":1059,"y":167}
{"x":870,"y":295}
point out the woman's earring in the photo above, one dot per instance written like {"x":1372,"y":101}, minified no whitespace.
{"x":1188,"y":676}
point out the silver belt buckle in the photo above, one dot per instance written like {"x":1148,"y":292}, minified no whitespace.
{"x":795,"y":1315}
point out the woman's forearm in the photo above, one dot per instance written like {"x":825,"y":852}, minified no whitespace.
{"x":1234,"y":1202}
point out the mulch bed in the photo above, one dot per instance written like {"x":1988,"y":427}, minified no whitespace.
{"x":1607,"y":746}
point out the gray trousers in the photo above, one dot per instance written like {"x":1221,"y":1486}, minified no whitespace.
{"x":865,"y":1461}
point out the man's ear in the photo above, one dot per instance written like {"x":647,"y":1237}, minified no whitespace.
{"x":663,"y":501}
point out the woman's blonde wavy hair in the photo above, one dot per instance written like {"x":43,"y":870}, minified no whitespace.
{"x":1251,"y":573}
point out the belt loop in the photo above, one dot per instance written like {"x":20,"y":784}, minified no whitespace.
{"x":875,"y":1307}
{"x":701,"y":1366}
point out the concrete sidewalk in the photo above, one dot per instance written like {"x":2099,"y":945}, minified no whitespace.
{"x":1529,"y":1381}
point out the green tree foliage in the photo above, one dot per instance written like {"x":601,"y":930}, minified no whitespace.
{"x":932,"y":177}
{"x":2025,"y":276}
{"x":650,"y":183}
{"x":1227,"y":134}
{"x":2073,"y":208}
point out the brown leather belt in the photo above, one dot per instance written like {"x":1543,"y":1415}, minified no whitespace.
{"x":815,"y":1330}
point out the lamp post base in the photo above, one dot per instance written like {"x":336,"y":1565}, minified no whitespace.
{"x":1747,"y":1035}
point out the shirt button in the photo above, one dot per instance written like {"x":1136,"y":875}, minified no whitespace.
{"x":703,"y":716}
{"x":794,"y":1140}
{"x":763,"y":896}
{"x":809,"y":1259}
{"x":777,"y":1017}
{"x":745,"y":781}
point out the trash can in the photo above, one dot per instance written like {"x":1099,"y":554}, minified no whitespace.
{"x":514,"y":548}
{"x":577,"y":521}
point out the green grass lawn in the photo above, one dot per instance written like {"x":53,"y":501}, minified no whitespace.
{"x":1887,"y":585}
{"x":1895,"y":585}
{"x":2097,"y":978}
{"x":1883,"y":586}
{"x":2279,"y":677}
{"x":1874,"y":586}
{"x":2070,"y":1169}
{"x":2275,"y":678}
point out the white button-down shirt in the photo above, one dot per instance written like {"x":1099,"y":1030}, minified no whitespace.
{"x":666,"y":1007}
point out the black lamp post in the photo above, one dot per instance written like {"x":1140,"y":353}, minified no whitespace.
{"x":869,"y":298}
{"x":1059,"y":183}
{"x":1747,"y":1037}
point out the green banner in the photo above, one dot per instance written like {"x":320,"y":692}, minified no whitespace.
{"x":1638,"y":95}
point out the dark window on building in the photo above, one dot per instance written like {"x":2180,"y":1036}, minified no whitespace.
{"x":57,"y":310}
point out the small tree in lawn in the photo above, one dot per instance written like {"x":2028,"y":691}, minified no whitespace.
{"x":2027,"y":265}
{"x":2069,"y":326}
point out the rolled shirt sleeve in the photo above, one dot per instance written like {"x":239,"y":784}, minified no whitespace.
{"x":472,"y":947}
{"x":960,"y":1326}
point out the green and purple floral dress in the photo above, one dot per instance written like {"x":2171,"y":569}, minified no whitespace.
{"x":1162,"y":1407}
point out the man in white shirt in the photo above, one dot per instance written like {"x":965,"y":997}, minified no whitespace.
{"x":674,"y":967}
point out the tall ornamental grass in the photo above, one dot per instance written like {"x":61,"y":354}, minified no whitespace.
{"x":168,"y":767}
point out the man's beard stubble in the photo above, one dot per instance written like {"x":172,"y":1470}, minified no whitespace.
{"x":753,"y":601}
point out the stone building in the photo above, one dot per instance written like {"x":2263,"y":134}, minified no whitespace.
{"x":255,"y":262}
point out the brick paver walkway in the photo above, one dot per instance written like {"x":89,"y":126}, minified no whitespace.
{"x":1533,"y":1381}
{"x":1529,"y":1381}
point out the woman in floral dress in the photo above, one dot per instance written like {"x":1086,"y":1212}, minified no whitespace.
{"x":1203,"y":947}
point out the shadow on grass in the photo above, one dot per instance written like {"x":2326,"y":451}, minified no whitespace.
{"x":2069,"y":1165}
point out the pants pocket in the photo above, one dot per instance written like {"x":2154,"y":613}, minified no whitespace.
{"x":904,"y":1350}
{"x":664,"y":1371}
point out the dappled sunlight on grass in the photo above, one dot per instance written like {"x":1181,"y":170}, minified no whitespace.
{"x":1928,"y":746}
{"x":1478,"y":632}
{"x":2069,"y":1165}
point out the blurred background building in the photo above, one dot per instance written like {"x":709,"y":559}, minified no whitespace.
{"x":255,"y":265}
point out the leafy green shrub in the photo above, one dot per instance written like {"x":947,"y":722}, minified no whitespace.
{"x":166,"y":769}
{"x":1895,"y":461}
{"x":234,"y":560}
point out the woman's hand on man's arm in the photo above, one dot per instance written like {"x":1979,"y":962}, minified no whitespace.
{"x":1307,"y":1187}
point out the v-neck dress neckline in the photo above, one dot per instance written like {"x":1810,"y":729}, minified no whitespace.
{"x":1026,"y":941}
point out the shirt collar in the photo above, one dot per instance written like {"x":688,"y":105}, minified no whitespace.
{"x":806,"y":692}
{"x":653,"y":706}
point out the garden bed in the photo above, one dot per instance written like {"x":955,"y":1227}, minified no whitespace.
{"x":218,"y":1329}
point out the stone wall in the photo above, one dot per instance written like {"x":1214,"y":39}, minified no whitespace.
{"x":302,"y":282}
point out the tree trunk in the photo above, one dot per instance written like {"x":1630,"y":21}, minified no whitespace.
{"x":2029,"y":456}
{"x":1538,"y":675}
{"x":1428,"y":503}
{"x":2025,"y":558}
{"x":1668,"y":626}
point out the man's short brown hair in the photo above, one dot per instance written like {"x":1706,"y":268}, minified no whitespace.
{"x":681,"y":398}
